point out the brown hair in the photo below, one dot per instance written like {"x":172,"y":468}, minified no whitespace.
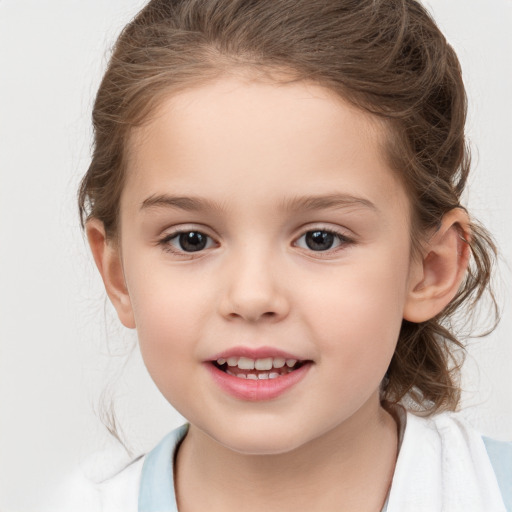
{"x":387,"y":57}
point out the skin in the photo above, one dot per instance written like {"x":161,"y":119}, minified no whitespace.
{"x":247,"y":151}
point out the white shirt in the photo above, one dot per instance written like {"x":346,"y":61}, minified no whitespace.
{"x":443,"y":465}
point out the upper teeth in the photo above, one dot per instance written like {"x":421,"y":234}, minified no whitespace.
{"x":267,"y":363}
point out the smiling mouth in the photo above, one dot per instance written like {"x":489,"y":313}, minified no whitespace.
{"x":258,"y":369}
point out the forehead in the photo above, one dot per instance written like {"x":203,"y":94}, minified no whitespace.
{"x":241,"y":135}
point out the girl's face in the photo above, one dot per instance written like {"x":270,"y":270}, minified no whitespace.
{"x":261,"y":222}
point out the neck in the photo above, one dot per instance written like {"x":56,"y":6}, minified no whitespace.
{"x":332,"y":472}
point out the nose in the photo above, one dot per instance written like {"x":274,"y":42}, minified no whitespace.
{"x":253,"y":289}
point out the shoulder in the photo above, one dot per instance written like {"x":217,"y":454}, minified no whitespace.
{"x":499,"y":451}
{"x":110,"y":481}
{"x":462,"y":446}
{"x":104,"y":482}
{"x":120,"y":492}
{"x":447,"y":425}
{"x":452,"y":428}
{"x":500,"y":455}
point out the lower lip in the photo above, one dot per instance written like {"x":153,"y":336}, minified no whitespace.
{"x":257,"y":390}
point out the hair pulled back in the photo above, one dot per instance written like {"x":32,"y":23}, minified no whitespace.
{"x":386,"y":57}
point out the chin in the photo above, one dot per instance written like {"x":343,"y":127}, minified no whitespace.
{"x":261,"y":440}
{"x":262,"y":446}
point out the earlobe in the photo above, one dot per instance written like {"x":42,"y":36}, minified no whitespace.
{"x":108,"y":260}
{"x":435,"y":278}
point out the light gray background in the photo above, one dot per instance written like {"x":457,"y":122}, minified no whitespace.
{"x":54,"y":322}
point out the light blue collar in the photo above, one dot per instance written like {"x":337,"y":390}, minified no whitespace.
{"x":156,"y":493}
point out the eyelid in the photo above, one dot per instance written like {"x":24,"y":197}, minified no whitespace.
{"x":341,"y":235}
{"x":342,"y":231}
{"x":186,"y":227}
{"x":343,"y":238}
{"x":173,"y":233}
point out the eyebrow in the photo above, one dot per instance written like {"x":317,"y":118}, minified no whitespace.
{"x":300,"y":203}
{"x":191,"y":204}
{"x":324,"y":202}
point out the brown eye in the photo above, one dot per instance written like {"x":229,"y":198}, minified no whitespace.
{"x":187,"y":241}
{"x":192,"y":241}
{"x":322,"y":240}
{"x":319,"y":240}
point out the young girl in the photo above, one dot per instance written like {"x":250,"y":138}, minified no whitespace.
{"x":274,"y":204}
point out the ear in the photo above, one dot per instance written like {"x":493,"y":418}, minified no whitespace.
{"x":436,"y":276}
{"x":107,"y":257}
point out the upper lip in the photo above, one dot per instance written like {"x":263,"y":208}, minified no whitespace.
{"x":255,"y":353}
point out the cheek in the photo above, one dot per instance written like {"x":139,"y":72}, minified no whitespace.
{"x":168,"y":312}
{"x":359,"y":312}
{"x":166,"y":301}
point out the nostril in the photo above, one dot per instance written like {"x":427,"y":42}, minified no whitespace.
{"x":253,"y":307}
{"x":254,"y":317}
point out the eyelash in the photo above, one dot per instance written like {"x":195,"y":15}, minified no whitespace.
{"x":165,"y":242}
{"x":343,"y":241}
